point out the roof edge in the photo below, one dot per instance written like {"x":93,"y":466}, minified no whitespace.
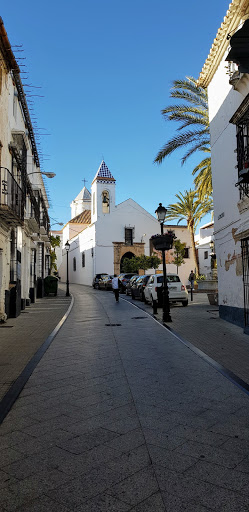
{"x":238,"y":9}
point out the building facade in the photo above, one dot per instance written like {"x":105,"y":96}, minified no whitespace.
{"x":24,"y":220}
{"x":226,"y":75}
{"x":103,"y":233}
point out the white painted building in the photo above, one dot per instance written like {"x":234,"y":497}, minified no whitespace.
{"x":102,"y":234}
{"x":227,"y":78}
{"x":203,"y":239}
{"x":24,"y":221}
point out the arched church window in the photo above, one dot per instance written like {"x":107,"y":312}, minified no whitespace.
{"x":93,"y":203}
{"x":74,"y":264}
{"x":105,"y":202}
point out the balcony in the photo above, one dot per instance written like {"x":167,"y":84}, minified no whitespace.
{"x":32,"y":214}
{"x":11,"y":199}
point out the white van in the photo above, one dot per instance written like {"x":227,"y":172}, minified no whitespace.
{"x":177,"y":290}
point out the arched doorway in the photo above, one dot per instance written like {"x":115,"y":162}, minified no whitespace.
{"x":128,"y":255}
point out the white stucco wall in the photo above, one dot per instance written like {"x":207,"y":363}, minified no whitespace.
{"x":223,"y":103}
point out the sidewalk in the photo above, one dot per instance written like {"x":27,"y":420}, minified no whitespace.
{"x":21,"y":337}
{"x":119,"y":415}
{"x":200,"y":324}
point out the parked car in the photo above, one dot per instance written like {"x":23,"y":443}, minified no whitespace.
{"x":105,"y":283}
{"x":138,"y":286}
{"x":96,"y":279}
{"x":124,"y":280}
{"x":130,"y":283}
{"x":177,"y":290}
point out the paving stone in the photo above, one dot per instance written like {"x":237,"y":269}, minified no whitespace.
{"x":43,"y":504}
{"x":87,"y":441}
{"x":170,"y":459}
{"x":209,"y":472}
{"x":153,"y":503}
{"x":212,"y":454}
{"x":104,"y":503}
{"x":136,"y":488}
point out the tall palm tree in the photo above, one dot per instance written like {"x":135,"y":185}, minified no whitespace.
{"x":192,"y":114}
{"x":190,"y":208}
{"x":203,"y":180}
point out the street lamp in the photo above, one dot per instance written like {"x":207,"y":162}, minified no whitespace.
{"x":47,"y":174}
{"x":67,"y":247}
{"x":161,"y":214}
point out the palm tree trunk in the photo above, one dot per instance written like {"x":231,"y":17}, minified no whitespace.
{"x":192,"y":235}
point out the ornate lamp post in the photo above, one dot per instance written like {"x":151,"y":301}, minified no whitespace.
{"x":164,"y":245}
{"x":67,"y":247}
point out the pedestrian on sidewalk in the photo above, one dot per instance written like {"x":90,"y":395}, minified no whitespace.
{"x":191,"y":279}
{"x":115,"y":287}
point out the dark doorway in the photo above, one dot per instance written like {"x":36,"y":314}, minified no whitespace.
{"x":126,"y":255}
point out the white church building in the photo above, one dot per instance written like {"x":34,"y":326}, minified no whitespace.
{"x":101,"y":234}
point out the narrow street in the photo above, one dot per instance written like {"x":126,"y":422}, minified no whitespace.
{"x":120,"y":415}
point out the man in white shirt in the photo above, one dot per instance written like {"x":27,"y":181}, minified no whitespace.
{"x":115,"y":287}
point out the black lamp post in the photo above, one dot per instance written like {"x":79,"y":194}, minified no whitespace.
{"x":67,"y":247}
{"x":161,"y":214}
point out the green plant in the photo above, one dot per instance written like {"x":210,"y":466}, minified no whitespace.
{"x":179,"y":252}
{"x":201,"y":277}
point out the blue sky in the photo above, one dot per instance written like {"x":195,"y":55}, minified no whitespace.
{"x":105,"y":69}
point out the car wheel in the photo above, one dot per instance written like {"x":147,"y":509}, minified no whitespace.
{"x":97,"y":286}
{"x":132,"y":295}
{"x":126,"y":292}
{"x":185,"y":303}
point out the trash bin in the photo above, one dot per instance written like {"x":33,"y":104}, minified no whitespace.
{"x":51,"y":285}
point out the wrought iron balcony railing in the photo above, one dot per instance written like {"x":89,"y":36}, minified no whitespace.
{"x":12,"y":198}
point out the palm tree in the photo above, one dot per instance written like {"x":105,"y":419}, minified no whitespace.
{"x":192,"y":114}
{"x":190,"y":208}
{"x":203,"y":180}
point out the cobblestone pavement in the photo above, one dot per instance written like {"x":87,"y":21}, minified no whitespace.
{"x":21,"y":337}
{"x":119,"y":415}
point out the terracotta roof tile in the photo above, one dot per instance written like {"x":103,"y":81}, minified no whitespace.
{"x":82,"y":218}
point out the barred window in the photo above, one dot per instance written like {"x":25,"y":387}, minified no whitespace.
{"x":83,"y":260}
{"x":128,"y":236}
{"x":74,"y":264}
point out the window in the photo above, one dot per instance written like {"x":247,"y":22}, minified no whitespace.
{"x":105,"y":202}
{"x":205,"y":255}
{"x":128,"y":236}
{"x":186,"y":252}
{"x":243,"y":156}
{"x":74,"y":264}
{"x":83,"y":260}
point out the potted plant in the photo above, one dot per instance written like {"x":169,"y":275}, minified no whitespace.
{"x":163,"y":242}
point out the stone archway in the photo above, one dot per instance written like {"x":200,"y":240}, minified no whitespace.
{"x":128,"y":255}
{"x":121,"y":249}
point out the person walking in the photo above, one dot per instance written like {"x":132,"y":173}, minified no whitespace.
{"x":192,"y":279}
{"x":115,"y":287}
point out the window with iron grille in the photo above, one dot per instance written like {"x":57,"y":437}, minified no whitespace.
{"x":205,"y":255}
{"x":83,"y":260}
{"x":74,"y":264}
{"x":243,"y":155}
{"x":128,"y":236}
